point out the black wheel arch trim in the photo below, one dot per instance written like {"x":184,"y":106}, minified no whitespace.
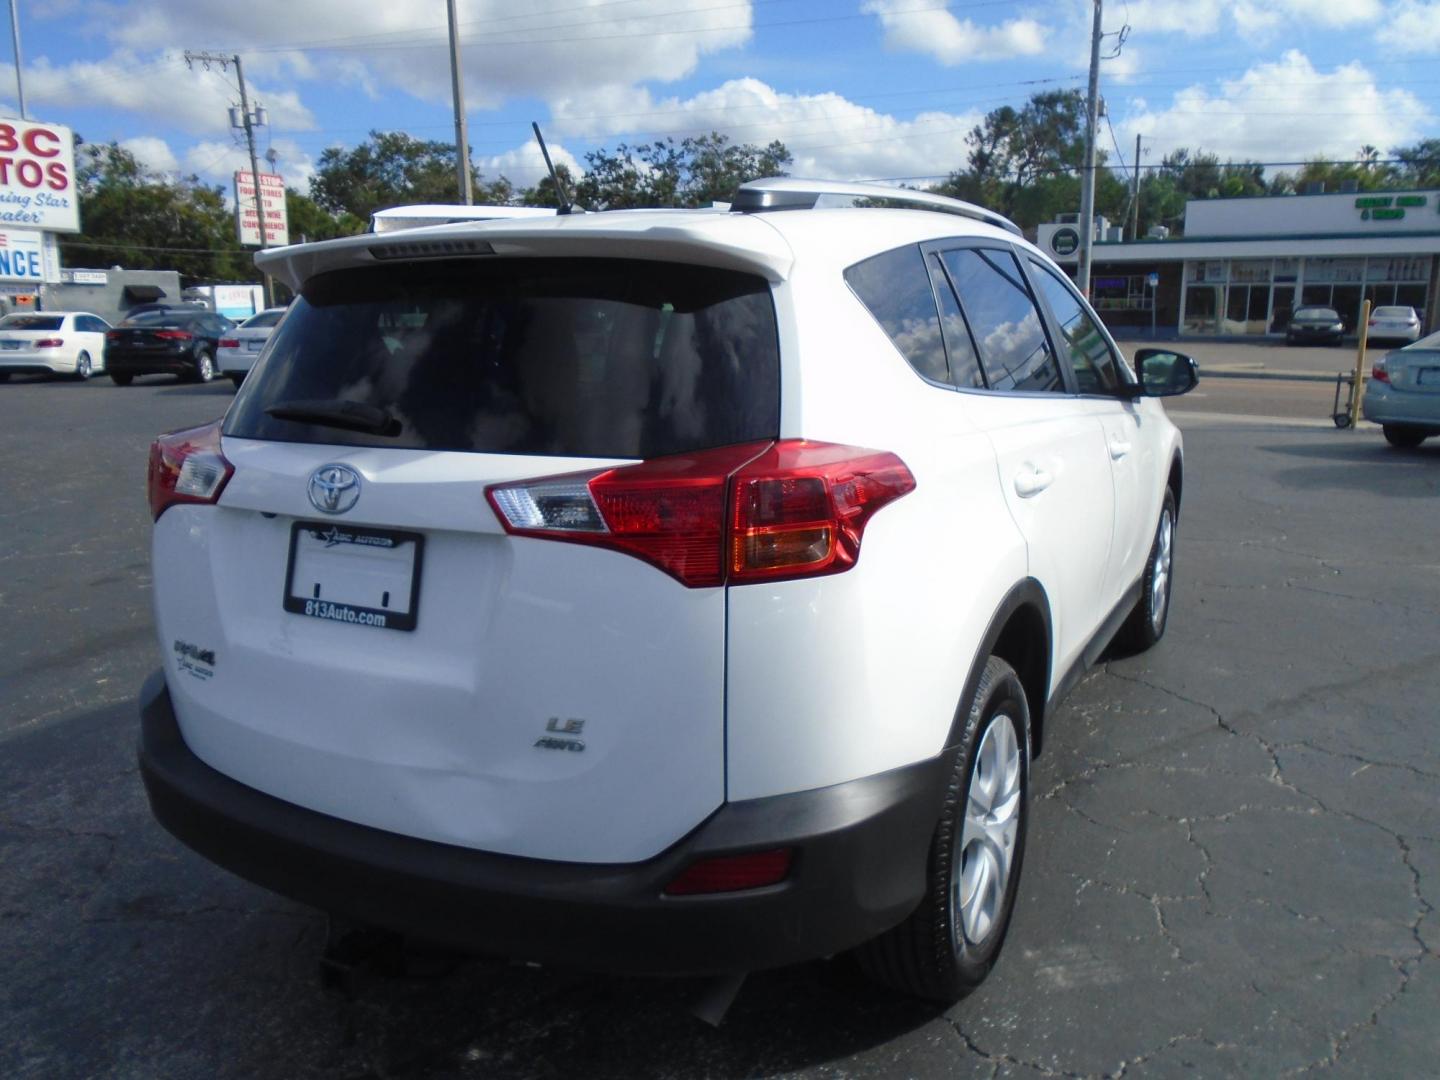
{"x":1034,"y":674}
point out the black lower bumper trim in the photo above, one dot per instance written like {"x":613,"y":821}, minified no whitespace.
{"x":859,"y":868}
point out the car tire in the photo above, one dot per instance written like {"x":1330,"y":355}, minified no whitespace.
{"x":204,"y":367}
{"x":947,"y":946}
{"x":1146,"y":622}
{"x":1406,"y":438}
{"x":122,"y":380}
{"x":83,"y":370}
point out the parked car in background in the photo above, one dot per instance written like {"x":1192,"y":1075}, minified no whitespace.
{"x":241,"y":346}
{"x":1403,"y":394}
{"x":52,"y":342}
{"x":686,"y":594}
{"x":176,"y":341}
{"x":1394,"y":324}
{"x":1311,"y":324}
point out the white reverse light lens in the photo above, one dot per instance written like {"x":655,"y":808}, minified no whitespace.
{"x":199,"y":476}
{"x":566,"y":506}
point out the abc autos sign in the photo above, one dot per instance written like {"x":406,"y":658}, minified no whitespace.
{"x":37,"y":177}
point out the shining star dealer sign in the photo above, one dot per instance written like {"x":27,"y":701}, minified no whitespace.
{"x":37,"y":177}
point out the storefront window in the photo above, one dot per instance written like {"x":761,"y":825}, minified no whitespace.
{"x":1202,"y":309}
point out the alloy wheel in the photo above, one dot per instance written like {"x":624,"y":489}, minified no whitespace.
{"x":985,"y":848}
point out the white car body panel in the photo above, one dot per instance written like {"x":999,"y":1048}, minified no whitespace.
{"x":17,"y":347}
{"x":432,"y":733}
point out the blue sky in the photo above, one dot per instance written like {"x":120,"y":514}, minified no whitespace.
{"x":858,"y":89}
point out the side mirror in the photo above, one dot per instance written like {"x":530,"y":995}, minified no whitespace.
{"x":1164,"y":373}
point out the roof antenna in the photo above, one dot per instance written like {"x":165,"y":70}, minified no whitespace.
{"x":567,"y":204}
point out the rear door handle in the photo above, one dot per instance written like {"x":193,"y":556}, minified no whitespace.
{"x":1118,"y":449}
{"x":1030,"y":481}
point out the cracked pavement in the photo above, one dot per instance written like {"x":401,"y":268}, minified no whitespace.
{"x":1233,"y":862}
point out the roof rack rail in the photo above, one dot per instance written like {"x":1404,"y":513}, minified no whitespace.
{"x":788,"y":193}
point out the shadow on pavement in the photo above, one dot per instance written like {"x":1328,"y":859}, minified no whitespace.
{"x":1345,"y":463}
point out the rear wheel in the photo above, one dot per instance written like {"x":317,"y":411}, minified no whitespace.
{"x":204,"y":367}
{"x":947,"y":946}
{"x":1405,"y":438}
{"x":121,"y":380}
{"x":1146,"y":623}
{"x":82,"y":367}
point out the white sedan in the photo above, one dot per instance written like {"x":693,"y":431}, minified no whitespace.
{"x":240,"y":347}
{"x":1395,"y":323}
{"x":52,"y":342}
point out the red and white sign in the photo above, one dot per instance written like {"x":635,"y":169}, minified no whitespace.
{"x":37,"y":177}
{"x":272,"y":202}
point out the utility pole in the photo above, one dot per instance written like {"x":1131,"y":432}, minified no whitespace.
{"x":249,"y":121}
{"x":15,"y":35}
{"x":462,"y":134}
{"x":1087,"y":174}
{"x":1135,"y":195}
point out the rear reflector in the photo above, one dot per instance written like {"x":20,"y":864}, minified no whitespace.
{"x":733,"y":873}
{"x":755,"y":512}
{"x":187,"y":467}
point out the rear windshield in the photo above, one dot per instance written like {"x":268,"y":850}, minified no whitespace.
{"x":568,"y":357}
{"x":162,"y":319}
{"x":31,"y":322}
{"x":1394,"y":312}
{"x":264,"y":319}
{"x":1317,"y":313}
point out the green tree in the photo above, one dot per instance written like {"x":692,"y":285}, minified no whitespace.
{"x":141,"y":220}
{"x":694,"y":172}
{"x":1419,"y":164}
{"x":391,"y":168}
{"x":310,"y":221}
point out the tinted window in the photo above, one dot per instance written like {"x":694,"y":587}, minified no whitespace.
{"x":576,"y":357}
{"x":31,"y":322}
{"x":1003,"y":319}
{"x":959,"y":346}
{"x":1090,"y":355}
{"x":1318,"y":313}
{"x":896,"y":289}
{"x":264,"y":319}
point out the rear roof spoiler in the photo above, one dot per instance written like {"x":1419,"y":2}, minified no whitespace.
{"x":786,"y":193}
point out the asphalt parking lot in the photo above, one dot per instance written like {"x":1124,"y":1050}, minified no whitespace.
{"x":1233,"y":866}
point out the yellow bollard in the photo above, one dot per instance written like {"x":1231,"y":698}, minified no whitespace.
{"x":1357,"y":391}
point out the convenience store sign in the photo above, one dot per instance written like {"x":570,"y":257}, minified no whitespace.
{"x":1387,"y":207}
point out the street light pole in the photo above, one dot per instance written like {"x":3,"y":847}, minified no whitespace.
{"x":462,"y":134}
{"x":1087,"y":174}
{"x":15,"y":36}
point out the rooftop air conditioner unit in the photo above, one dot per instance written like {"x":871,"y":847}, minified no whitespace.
{"x":1115,"y":234}
{"x":1067,"y":219}
{"x":1159,"y":232}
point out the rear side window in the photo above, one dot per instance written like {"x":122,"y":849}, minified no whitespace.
{"x":895,"y":288}
{"x":264,"y":319}
{"x":1006,"y":325}
{"x":566,"y":357}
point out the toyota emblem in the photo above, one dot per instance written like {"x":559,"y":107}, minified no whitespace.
{"x":334,"y":489}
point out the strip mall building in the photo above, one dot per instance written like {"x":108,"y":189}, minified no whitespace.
{"x":1244,"y":265}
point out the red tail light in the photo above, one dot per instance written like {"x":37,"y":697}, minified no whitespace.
{"x":230,"y":343}
{"x":174,"y":335}
{"x":732,"y":873}
{"x":756,"y":512}
{"x":1378,"y":372}
{"x":49,"y":343}
{"x":187,"y":467}
{"x":112,"y":335}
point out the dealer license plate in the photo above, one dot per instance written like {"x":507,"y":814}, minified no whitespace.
{"x":254,"y":346}
{"x":9,"y":345}
{"x":1428,"y":376}
{"x":343,"y":573}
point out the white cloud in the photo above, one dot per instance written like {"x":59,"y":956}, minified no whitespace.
{"x":1411,"y":27}
{"x":938,"y":33}
{"x":828,"y":135}
{"x":524,"y":165}
{"x":1202,"y":18}
{"x":152,"y":152}
{"x":1282,"y":111}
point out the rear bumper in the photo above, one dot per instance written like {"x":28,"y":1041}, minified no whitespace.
{"x":235,"y":361}
{"x":1383,"y":404}
{"x":158,"y":363}
{"x":859,"y":868}
{"x":20,"y":363}
{"x":1314,"y":335}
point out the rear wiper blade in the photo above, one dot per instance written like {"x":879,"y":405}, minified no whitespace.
{"x":338,"y":413}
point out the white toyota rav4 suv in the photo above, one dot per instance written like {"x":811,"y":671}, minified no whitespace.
{"x":657,"y":591}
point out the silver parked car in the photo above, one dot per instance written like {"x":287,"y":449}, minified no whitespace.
{"x":1395,"y":324}
{"x":240,"y":347}
{"x":1403,"y":394}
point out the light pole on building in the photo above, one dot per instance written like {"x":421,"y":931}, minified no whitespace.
{"x":15,"y":36}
